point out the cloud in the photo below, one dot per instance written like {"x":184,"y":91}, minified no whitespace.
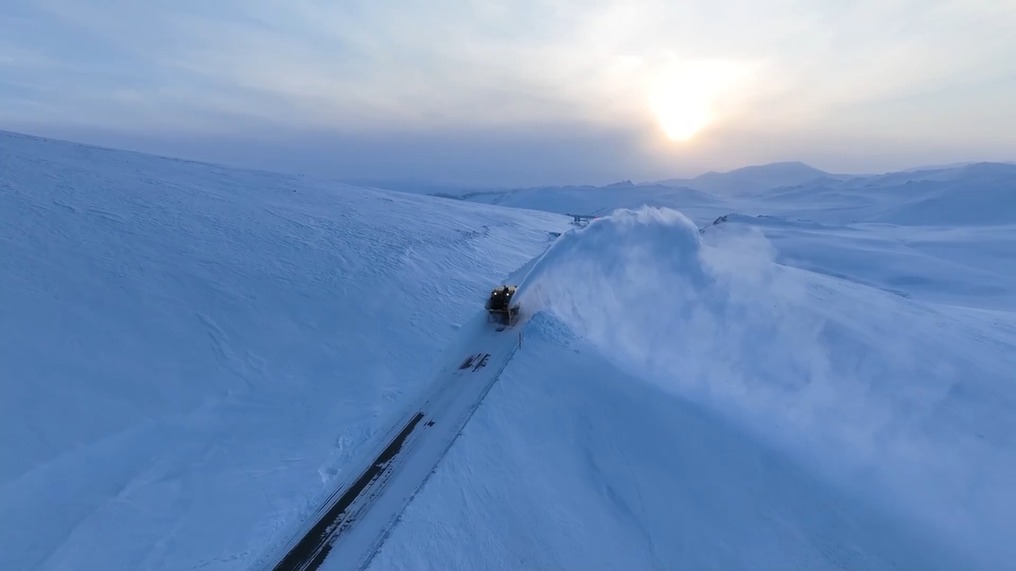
{"x":231,"y":67}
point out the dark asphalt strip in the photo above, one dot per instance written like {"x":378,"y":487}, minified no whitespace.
{"x":313,"y":547}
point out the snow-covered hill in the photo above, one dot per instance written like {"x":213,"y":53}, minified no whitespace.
{"x":753,"y":178}
{"x":818,"y":376}
{"x":191,"y":354}
{"x":945,"y":234}
{"x":592,"y":200}
{"x":975,"y":195}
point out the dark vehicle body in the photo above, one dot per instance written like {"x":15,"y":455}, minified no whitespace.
{"x":499,"y":304}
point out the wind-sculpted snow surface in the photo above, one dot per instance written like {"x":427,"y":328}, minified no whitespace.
{"x":903,"y":403}
{"x":192,"y":356}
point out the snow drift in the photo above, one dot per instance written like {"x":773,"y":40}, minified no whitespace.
{"x":903,"y":404}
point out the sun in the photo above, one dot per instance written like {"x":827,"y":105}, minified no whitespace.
{"x":683,"y":98}
{"x":682,"y":113}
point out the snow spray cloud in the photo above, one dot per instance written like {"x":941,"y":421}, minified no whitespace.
{"x":839,"y":375}
{"x":710,"y":323}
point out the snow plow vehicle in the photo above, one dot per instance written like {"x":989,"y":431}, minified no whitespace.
{"x":499,"y":305}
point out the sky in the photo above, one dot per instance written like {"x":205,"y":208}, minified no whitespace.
{"x":518,"y":92}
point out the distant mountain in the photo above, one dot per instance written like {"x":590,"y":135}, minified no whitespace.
{"x":969,"y":172}
{"x":621,"y":184}
{"x":753,"y":178}
{"x":956,"y":165}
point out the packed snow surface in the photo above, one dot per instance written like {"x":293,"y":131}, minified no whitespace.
{"x":818,"y":375}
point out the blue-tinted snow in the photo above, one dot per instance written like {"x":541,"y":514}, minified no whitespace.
{"x":813,"y":394}
{"x":191,"y":354}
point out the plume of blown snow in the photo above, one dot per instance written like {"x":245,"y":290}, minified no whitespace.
{"x":852,"y":381}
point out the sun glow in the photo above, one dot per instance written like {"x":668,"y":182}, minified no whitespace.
{"x":684,"y":97}
{"x":682,"y":113}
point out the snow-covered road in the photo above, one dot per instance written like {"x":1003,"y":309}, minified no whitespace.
{"x":351,"y":525}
